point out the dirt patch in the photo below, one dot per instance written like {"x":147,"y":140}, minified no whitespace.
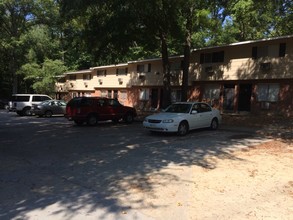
{"x":256,"y":184}
{"x":268,"y":125}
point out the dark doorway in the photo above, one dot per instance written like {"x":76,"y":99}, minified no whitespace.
{"x":244,"y":98}
{"x":229,"y":95}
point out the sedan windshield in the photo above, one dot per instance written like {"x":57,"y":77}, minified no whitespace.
{"x":179,"y":108}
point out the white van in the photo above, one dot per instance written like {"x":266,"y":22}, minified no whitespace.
{"x":22,"y":103}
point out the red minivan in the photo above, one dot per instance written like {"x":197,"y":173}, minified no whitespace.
{"x":94,"y":109}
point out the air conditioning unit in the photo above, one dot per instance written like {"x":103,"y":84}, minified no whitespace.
{"x":265,"y":66}
{"x":141,"y":75}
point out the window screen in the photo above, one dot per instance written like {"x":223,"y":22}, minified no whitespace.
{"x":268,"y":92}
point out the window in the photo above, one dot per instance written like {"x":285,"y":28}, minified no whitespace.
{"x":101,"y":72}
{"x":109,"y":95}
{"x":268,"y":92}
{"x":123,"y":95}
{"x":176,"y":95}
{"x":215,"y":57}
{"x":101,"y":102}
{"x":269,"y":51}
{"x":87,"y":76}
{"x":144,"y":94}
{"x":122,"y":71}
{"x":211,"y":91}
{"x":72,"y":77}
{"x":254,"y":53}
{"x":37,"y":98}
{"x":115,"y":94}
{"x":20,"y":98}
{"x":141,"y":68}
{"x":61,"y":80}
{"x":204,"y":108}
{"x":113,"y":102}
{"x":282,"y":50}
{"x":104,"y":93}
{"x":176,"y":66}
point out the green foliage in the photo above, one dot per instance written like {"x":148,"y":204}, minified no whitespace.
{"x":43,"y":76}
{"x":37,"y":33}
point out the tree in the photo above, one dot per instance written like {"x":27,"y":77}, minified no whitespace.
{"x":115,"y":27}
{"x":158,"y":20}
{"x":43,"y":77}
{"x":260,"y":19}
{"x":29,"y":34}
{"x":193,"y":16}
{"x":14,"y":23}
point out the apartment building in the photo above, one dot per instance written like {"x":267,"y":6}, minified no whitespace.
{"x":251,"y":77}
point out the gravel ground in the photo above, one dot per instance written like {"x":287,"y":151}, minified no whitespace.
{"x":254,"y":183}
{"x":257,"y":183}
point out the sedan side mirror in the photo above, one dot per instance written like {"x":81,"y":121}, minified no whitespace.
{"x":193,"y":112}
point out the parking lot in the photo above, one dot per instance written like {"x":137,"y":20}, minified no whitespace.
{"x":53,"y":169}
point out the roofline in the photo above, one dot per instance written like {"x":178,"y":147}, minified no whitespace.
{"x":90,"y":70}
{"x":154,"y":59}
{"x":245,"y":42}
{"x":109,"y":66}
{"x":79,"y":71}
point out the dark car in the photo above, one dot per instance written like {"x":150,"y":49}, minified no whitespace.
{"x":94,"y":109}
{"x":49,"y":108}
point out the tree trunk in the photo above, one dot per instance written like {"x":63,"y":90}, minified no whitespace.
{"x":166,"y":73}
{"x":186,"y":59}
{"x":12,"y":69}
{"x":186,"y":63}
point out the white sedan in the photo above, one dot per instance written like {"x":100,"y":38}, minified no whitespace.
{"x":181,"y":117}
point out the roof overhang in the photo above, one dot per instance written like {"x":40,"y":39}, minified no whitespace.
{"x":109,"y":66}
{"x":244,"y":42}
{"x":78,"y":72}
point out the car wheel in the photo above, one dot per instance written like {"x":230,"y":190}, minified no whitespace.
{"x":92,"y":120}
{"x":26,"y":111}
{"x":214,"y":124}
{"x":48,"y":114}
{"x":183,"y":128}
{"x":128,"y":118}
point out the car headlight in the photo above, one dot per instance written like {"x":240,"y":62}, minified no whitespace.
{"x":168,"y":121}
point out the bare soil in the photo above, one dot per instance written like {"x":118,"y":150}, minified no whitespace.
{"x":255,"y":183}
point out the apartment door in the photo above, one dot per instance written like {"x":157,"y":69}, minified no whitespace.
{"x":229,"y":96}
{"x":244,"y":98}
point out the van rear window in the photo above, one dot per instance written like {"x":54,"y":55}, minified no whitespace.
{"x":22,"y":98}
